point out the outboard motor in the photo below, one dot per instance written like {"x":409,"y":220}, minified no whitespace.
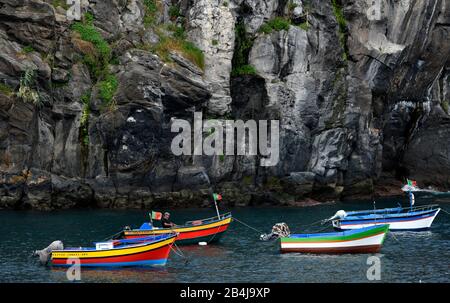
{"x":44,"y":254}
{"x":278,"y":230}
{"x":340,"y":214}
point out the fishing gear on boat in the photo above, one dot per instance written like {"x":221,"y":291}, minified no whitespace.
{"x":117,"y":235}
{"x":279,"y":230}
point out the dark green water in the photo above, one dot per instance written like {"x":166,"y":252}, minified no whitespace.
{"x":239,"y":257}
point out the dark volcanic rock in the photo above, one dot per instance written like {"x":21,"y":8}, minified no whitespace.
{"x":361,"y":106}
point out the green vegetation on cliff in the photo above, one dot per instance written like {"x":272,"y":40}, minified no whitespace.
{"x":98,"y":56}
{"x":6,"y":90}
{"x":243,"y":45}
{"x":244,"y":70}
{"x":84,"y":119}
{"x":107,"y":88}
{"x":151,"y":10}
{"x":178,"y":44}
{"x":445,"y":105}
{"x":172,"y":37}
{"x":60,"y":3}
{"x":27,"y":88}
{"x":275,"y":24}
{"x":342,"y":26}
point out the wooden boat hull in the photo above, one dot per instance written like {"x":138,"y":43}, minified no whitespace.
{"x":210,"y":232}
{"x":143,"y":254}
{"x":366,"y":240}
{"x":415,"y":222}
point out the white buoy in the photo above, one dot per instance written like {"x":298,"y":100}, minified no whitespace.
{"x":202,"y":243}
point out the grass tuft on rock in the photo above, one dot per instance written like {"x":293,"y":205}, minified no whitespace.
{"x":27,"y":89}
{"x":174,"y":12}
{"x":151,"y":10}
{"x":445,"y":106}
{"x":243,"y":45}
{"x":6,"y":90}
{"x":60,"y":3}
{"x":275,"y":24}
{"x":342,"y":26}
{"x":84,"y":119}
{"x":107,"y":88}
{"x":175,"y":40}
{"x":97,"y":51}
{"x":89,"y":33}
{"x":185,"y":48}
{"x":27,"y":49}
{"x":244,"y":70}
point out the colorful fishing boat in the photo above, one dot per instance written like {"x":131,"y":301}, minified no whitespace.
{"x":364,"y":240}
{"x":410,"y":218}
{"x":399,"y":219}
{"x":192,"y":232}
{"x":144,"y":251}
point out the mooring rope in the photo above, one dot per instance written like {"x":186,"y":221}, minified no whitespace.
{"x":245,"y":224}
{"x":393,"y":236}
{"x":322,"y":229}
{"x":179,"y":253}
{"x":448,"y":213}
{"x":322,"y":222}
{"x":217,"y":230}
{"x":259,"y":231}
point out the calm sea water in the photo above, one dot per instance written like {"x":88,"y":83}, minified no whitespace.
{"x":239,"y":257}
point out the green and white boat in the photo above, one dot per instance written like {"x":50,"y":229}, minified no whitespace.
{"x":363,"y":240}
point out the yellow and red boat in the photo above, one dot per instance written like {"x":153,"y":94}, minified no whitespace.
{"x":192,"y":232}
{"x":146,"y":251}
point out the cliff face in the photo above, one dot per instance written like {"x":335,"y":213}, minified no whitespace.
{"x":362,"y":95}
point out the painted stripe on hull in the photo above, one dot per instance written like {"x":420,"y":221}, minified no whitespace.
{"x":192,"y":237}
{"x":114,"y":252}
{"x":140,"y":254}
{"x":160,"y":262}
{"x":338,"y":237}
{"x":181,"y":229}
{"x":160,"y":253}
{"x":209,"y":239}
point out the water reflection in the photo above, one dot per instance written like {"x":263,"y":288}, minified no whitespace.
{"x":111,"y":275}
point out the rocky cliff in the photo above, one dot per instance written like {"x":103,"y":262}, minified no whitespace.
{"x":361,"y":90}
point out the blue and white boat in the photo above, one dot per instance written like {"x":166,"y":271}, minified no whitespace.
{"x":408,"y":218}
